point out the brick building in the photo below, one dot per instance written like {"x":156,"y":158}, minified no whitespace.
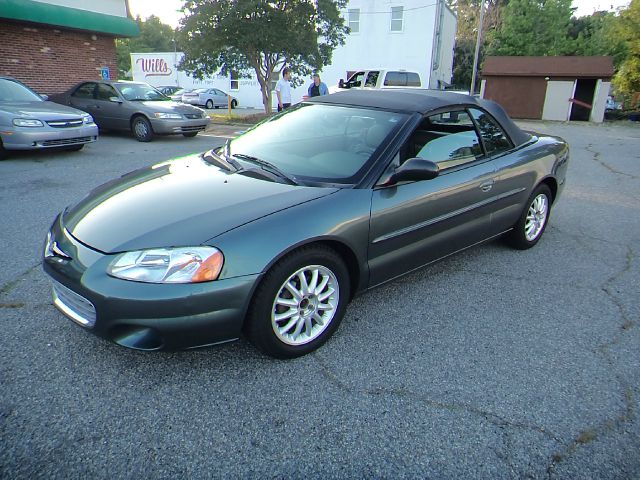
{"x":53,"y":44}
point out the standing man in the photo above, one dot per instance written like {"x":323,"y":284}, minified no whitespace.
{"x":317,"y":88}
{"x":283,"y":90}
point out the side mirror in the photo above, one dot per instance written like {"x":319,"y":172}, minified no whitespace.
{"x":414,"y":169}
{"x":44,"y":97}
{"x":341,"y":83}
{"x":115,"y":100}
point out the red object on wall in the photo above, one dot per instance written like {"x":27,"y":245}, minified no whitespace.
{"x":50,"y":60}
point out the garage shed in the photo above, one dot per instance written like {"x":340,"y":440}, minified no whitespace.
{"x":549,"y":88}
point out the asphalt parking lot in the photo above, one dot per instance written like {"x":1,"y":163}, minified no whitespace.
{"x":491,"y":364}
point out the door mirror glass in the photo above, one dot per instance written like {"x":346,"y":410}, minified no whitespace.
{"x":115,"y":100}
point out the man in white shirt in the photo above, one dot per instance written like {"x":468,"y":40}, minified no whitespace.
{"x":283,"y":90}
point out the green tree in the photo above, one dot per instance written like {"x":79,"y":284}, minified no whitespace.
{"x":627,"y":79}
{"x":468,"y":13}
{"x":260,"y":35}
{"x":533,"y":27}
{"x":155,"y":36}
{"x":597,"y":34}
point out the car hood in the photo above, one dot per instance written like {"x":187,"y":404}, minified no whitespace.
{"x":171,"y":106}
{"x":41,"y":110}
{"x":183,"y":202}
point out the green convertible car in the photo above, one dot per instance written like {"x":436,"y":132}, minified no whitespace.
{"x":271,"y":234}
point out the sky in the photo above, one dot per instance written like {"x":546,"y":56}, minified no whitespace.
{"x":167,"y":9}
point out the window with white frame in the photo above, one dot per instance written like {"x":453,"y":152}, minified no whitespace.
{"x":235,"y":84}
{"x":397,"y":14}
{"x":354,"y":20}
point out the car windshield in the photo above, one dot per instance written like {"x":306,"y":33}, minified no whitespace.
{"x":323,"y":143}
{"x":11,"y":91}
{"x":140,"y":92}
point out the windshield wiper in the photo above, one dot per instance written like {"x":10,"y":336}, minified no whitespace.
{"x":270,"y":167}
{"x":219,"y":161}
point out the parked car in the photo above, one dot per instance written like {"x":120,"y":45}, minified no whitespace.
{"x":169,"y":90}
{"x":134,"y":106}
{"x":28,"y":121}
{"x":209,"y":98}
{"x":380,"y":78}
{"x":177,"y":95}
{"x":274,"y":232}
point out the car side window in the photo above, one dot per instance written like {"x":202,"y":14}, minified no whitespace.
{"x":84,"y":91}
{"x":494,"y":138}
{"x":372,"y":78}
{"x":449,"y":139}
{"x":356,"y":80}
{"x":105,"y":92}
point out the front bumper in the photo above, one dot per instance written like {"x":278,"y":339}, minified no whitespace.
{"x":137,"y":315}
{"x":26,"y":138}
{"x":162,"y":126}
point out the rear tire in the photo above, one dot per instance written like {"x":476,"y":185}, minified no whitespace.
{"x":533,"y":221}
{"x":234,"y":103}
{"x":141,"y":128}
{"x":300,"y":303}
{"x":190,"y":134}
{"x":75,"y":148}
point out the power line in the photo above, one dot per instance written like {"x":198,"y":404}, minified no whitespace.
{"x":387,"y":12}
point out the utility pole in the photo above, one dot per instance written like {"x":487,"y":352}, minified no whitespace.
{"x":477,"y":52}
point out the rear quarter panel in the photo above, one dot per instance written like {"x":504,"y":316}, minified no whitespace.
{"x":543,"y":159}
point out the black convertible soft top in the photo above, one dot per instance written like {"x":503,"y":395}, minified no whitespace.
{"x":422,"y":101}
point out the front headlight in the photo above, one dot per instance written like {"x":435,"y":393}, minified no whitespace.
{"x":87,"y":118}
{"x":26,"y":122}
{"x":172,"y":116}
{"x":168,"y":265}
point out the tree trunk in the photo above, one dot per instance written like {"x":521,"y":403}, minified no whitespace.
{"x":265,"y":89}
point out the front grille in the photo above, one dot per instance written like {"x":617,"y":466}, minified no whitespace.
{"x":74,"y":306}
{"x":198,"y":128}
{"x":193,"y":116}
{"x":65,"y":141}
{"x":73,"y":122}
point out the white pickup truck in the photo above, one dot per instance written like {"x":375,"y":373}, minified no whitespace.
{"x":381,"y":78}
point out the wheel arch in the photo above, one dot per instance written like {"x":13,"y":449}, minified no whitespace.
{"x":136,"y":115}
{"x":344,"y":251}
{"x":552,"y":183}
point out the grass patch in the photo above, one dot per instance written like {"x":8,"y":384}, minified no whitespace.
{"x":235,"y":118}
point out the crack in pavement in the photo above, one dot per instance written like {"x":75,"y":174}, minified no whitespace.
{"x":6,"y":288}
{"x":491,"y":417}
{"x":596,"y":158}
{"x":590,"y":434}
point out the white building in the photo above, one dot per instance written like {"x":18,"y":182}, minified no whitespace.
{"x":414,"y":35}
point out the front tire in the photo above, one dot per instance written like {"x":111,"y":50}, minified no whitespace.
{"x":209,"y":104}
{"x":234,"y":103}
{"x":75,"y":148}
{"x":533,"y":221}
{"x":190,"y":134}
{"x":141,"y":128}
{"x":300,"y":303}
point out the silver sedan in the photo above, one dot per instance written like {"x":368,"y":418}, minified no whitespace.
{"x":210,"y":98}
{"x":28,"y":121}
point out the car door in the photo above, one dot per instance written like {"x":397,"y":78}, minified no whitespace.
{"x":112,"y":113}
{"x":219,"y":98}
{"x":514,"y":177}
{"x":83,"y":99}
{"x":414,"y":223}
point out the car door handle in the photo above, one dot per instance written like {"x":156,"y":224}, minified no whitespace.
{"x":486,"y":186}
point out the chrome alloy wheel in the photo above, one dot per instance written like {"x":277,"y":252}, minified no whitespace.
{"x":536,"y":217}
{"x":141,"y":129}
{"x":305,"y":305}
